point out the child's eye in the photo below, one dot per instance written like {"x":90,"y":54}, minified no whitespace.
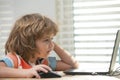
{"x":46,"y":39}
{"x":51,"y":39}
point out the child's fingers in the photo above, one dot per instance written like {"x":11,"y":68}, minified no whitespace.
{"x":46,"y":67}
{"x":43,"y":68}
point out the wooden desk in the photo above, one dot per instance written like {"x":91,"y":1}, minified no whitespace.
{"x":70,"y":77}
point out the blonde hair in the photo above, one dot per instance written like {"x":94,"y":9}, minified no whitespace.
{"x":26,"y":31}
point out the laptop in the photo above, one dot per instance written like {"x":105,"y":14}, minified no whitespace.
{"x":90,"y":71}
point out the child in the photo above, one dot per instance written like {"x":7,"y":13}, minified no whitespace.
{"x":28,"y":47}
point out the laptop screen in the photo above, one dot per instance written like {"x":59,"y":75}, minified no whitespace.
{"x":115,"y":51}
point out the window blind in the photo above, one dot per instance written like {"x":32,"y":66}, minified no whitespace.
{"x":93,"y":25}
{"x":64,"y":17}
{"x":6,"y":18}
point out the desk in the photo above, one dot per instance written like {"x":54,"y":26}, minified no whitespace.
{"x":71,"y":77}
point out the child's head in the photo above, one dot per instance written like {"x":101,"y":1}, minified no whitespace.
{"x":26,"y":31}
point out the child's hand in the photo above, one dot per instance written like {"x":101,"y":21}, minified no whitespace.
{"x":33,"y":72}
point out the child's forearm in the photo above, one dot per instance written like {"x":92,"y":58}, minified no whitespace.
{"x":12,"y":72}
{"x":65,"y":56}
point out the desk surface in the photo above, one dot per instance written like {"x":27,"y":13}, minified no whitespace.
{"x":71,"y":77}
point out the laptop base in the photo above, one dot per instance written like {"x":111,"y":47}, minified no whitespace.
{"x":77,"y":72}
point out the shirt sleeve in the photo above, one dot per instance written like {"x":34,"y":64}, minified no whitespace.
{"x":8,"y":61}
{"x":52,"y":62}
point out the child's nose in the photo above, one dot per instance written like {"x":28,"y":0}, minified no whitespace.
{"x":51,"y":44}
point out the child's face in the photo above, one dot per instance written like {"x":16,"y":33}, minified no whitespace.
{"x":44,"y":46}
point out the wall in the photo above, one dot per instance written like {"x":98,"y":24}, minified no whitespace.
{"x":45,"y":7}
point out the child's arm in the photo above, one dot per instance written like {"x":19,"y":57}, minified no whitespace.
{"x":21,"y":73}
{"x":67,"y":61}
